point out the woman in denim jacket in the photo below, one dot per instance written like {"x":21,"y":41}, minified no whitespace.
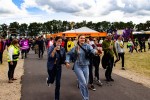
{"x":81,"y":64}
{"x":56,"y":57}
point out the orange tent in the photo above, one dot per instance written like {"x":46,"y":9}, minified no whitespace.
{"x":83,"y":30}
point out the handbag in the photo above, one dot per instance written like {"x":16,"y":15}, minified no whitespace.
{"x":104,"y":61}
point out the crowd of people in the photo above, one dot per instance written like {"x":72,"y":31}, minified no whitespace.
{"x":86,"y":54}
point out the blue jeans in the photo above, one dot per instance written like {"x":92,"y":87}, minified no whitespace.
{"x":130,"y":49}
{"x":82,"y":73}
{"x":55,"y":74}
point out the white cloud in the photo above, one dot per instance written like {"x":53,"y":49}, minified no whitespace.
{"x":76,"y":10}
{"x":8,"y":7}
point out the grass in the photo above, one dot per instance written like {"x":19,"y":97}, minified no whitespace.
{"x":137,"y":62}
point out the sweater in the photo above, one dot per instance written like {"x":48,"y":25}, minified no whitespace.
{"x":105,"y":46}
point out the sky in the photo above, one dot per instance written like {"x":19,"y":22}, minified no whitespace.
{"x":28,"y":11}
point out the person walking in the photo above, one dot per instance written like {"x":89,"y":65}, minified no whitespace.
{"x":130,"y":45}
{"x":70,"y":44}
{"x":91,"y":85}
{"x":135,"y":43}
{"x":149,"y":43}
{"x":2,"y":48}
{"x":143,"y":44}
{"x":96,"y":61}
{"x":40,"y":43}
{"x":13,"y":56}
{"x":50,"y":42}
{"x":109,"y":51}
{"x":120,"y":50}
{"x":81,"y":64}
{"x":56,"y":57}
{"x":24,"y":45}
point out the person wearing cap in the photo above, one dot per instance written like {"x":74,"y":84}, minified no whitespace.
{"x":109,"y":51}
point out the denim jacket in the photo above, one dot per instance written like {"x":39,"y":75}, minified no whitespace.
{"x":80,"y":56}
{"x":56,"y":59}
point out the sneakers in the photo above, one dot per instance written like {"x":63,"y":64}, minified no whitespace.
{"x":10,"y":81}
{"x":111,"y":79}
{"x":47,"y":83}
{"x":13,"y":79}
{"x":99,"y":83}
{"x":123,"y":68}
{"x":92,"y":87}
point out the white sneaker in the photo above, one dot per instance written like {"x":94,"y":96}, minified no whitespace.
{"x":48,"y":84}
{"x":99,"y":83}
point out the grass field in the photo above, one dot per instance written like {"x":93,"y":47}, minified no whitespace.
{"x":137,"y":62}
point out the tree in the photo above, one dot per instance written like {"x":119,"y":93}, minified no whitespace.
{"x":14,"y":25}
{"x":34,"y":29}
{"x":140,"y":27}
{"x":90,"y":25}
{"x":130,"y":24}
{"x":4,"y":30}
{"x":105,"y":25}
{"x":147,"y":25}
{"x":23,"y":28}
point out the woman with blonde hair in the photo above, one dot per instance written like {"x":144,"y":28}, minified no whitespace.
{"x":81,"y":69}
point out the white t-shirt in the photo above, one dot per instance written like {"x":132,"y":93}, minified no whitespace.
{"x":101,"y":41}
{"x":91,"y":42}
{"x":50,"y":43}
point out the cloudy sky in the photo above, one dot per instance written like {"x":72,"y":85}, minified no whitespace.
{"x":27,"y":11}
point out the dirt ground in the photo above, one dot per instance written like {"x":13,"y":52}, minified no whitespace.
{"x":10,"y":91}
{"x":136,"y":77}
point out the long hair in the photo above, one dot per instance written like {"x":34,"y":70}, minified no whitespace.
{"x":79,"y":37}
{"x":14,"y":41}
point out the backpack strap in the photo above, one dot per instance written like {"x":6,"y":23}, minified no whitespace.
{"x":82,"y":48}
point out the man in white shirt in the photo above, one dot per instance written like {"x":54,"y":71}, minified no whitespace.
{"x":101,"y":41}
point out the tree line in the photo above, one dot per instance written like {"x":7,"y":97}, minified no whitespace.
{"x":55,"y":26}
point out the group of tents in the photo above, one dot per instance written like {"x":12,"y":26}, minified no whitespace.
{"x":92,"y":33}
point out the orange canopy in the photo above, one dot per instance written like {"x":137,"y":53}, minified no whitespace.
{"x":83,"y":30}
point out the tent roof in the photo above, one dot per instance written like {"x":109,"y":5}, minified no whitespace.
{"x":81,"y":30}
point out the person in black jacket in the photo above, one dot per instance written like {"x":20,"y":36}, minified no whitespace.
{"x":40,"y":43}
{"x":56,"y":57}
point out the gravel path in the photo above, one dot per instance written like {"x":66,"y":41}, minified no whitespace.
{"x":10,"y":91}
